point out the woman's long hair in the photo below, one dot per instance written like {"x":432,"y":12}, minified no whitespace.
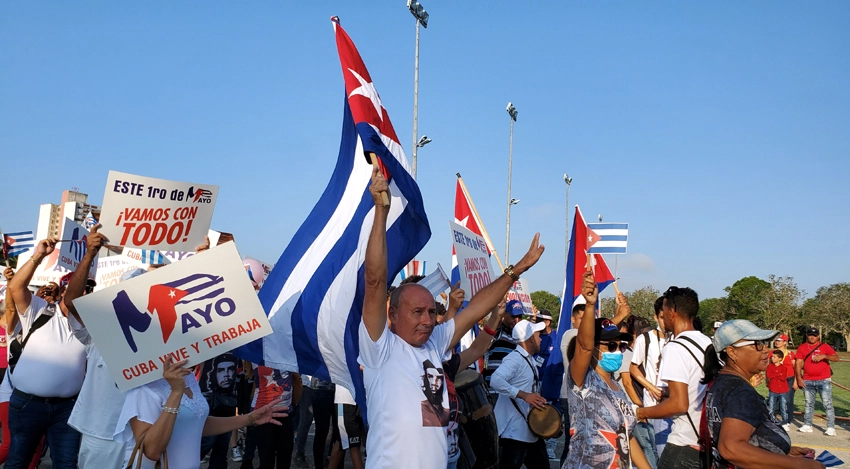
{"x":713,"y":364}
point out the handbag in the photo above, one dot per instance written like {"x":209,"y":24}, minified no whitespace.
{"x":137,"y":456}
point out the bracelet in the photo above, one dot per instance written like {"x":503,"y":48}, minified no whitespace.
{"x":171,"y":410}
{"x":251,"y":420}
{"x":34,"y":262}
{"x":510,"y":271}
{"x":487,"y":330}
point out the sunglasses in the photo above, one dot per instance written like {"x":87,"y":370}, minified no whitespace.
{"x":614,"y":346}
{"x":760,"y":344}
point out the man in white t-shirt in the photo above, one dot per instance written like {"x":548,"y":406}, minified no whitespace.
{"x":681,"y":371}
{"x":48,"y":374}
{"x":397,"y":358}
{"x":644,"y":367}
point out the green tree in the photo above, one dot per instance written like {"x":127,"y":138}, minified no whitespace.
{"x":829,"y":309}
{"x":780,"y":305}
{"x":746,"y":298}
{"x":712,"y":310}
{"x":548,"y":301}
{"x":641,"y":300}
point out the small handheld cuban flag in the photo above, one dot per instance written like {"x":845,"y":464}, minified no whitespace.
{"x":15,"y":244}
{"x":608,"y":238}
{"x":90,"y":221}
{"x":829,"y":460}
{"x":314,"y":295}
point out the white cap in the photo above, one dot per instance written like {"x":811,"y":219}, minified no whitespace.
{"x":525,"y":329}
{"x":717,"y":324}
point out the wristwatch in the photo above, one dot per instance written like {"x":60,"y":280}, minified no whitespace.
{"x":510,"y":271}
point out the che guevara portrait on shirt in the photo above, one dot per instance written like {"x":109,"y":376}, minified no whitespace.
{"x":435,"y":412}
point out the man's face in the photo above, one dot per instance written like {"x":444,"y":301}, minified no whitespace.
{"x":533,"y":344}
{"x":416,"y":315}
{"x":225,"y":372}
{"x":435,"y":381}
{"x":667,"y":313}
{"x":812,"y":338}
{"x":660,"y":320}
{"x":510,"y":321}
{"x":577,"y":320}
{"x":779,"y":343}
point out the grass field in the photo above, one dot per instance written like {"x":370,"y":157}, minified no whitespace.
{"x":840,"y":397}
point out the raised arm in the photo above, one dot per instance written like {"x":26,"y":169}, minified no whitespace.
{"x":18,"y":285}
{"x":623,"y":309}
{"x":486,"y":298}
{"x":482,"y":342}
{"x":77,"y":284}
{"x":585,"y":337}
{"x":375,"y":266}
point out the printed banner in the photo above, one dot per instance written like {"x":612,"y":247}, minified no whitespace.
{"x":522,"y":292}
{"x":194,"y":310}
{"x":110,"y":269}
{"x":148,"y":213}
{"x":473,"y":260}
{"x":73,"y":247}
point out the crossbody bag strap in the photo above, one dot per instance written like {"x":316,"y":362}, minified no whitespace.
{"x":36,"y":325}
{"x":513,"y":401}
{"x":700,"y":363}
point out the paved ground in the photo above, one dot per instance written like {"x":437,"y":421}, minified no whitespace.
{"x":838,"y":445}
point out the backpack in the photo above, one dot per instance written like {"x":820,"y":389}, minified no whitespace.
{"x":639,"y":388}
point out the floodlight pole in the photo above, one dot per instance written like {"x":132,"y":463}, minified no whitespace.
{"x":512,"y":112}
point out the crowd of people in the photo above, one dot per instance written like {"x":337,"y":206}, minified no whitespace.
{"x":429,"y":403}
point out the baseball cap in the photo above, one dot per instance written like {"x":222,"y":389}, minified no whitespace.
{"x":782,"y":337}
{"x":717,"y":324}
{"x":543,"y":314}
{"x":812,"y":331}
{"x":739,"y":329}
{"x":607,"y":331}
{"x":525,"y":329}
{"x":514,"y":308}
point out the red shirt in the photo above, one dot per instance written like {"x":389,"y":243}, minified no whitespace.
{"x":789,"y":362}
{"x":815,"y":371}
{"x":777,"y":378}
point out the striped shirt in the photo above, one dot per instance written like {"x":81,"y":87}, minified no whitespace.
{"x":503,"y":344}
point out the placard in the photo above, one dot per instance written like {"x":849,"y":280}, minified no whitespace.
{"x":522,"y":292}
{"x":73,"y":246}
{"x":148,"y":213}
{"x":110,"y":269}
{"x":472,"y":260}
{"x":194,"y":310}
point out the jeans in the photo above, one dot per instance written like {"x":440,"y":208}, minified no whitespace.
{"x":219,"y":444}
{"x":565,"y":408}
{"x":789,"y":399}
{"x":305,"y":419}
{"x":250,"y":447}
{"x":513,"y":453}
{"x":323,"y":410}
{"x":30,"y":420}
{"x":824,"y":386}
{"x":772,"y":399}
{"x":679,"y":457}
{"x":644,"y":433}
{"x":274,"y":444}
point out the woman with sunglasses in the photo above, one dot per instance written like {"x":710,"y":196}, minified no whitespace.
{"x":741,"y":430}
{"x":601,"y":415}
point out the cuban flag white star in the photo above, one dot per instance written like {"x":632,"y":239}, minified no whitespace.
{"x":368,"y":90}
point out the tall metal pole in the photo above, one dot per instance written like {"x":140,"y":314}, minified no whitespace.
{"x":415,"y":102}
{"x":508,"y":220}
{"x":568,"y":180}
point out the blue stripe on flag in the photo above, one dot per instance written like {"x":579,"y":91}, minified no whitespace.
{"x":608,"y":226}
{"x":613,"y":238}
{"x":607,"y":250}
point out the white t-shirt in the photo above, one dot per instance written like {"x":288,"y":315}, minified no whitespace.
{"x":100,"y":401}
{"x":145,"y":403}
{"x":407,"y":404}
{"x":650,"y":361}
{"x":53,"y":364}
{"x":565,"y":342}
{"x":678,"y":365}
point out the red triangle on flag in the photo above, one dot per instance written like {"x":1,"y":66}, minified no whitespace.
{"x":592,"y":238}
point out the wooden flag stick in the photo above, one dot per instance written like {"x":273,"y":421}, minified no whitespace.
{"x":373,"y":159}
{"x":480,"y":222}
{"x":616,"y":290}
{"x":589,"y":263}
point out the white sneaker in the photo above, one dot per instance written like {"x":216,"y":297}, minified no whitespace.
{"x":786,"y":427}
{"x":829,"y":432}
{"x":805,"y":429}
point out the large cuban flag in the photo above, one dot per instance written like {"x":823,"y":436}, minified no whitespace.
{"x":581,"y":240}
{"x":314,"y":294}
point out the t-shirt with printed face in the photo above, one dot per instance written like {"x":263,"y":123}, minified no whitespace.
{"x":732,"y":397}
{"x":408,"y":403}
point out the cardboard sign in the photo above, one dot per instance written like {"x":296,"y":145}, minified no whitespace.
{"x":147,"y":213}
{"x":195,"y":310}
{"x":472,"y":259}
{"x":522,"y":292}
{"x":110,"y":269}
{"x":71,"y":252}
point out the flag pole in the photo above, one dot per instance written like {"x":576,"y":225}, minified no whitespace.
{"x":480,"y":222}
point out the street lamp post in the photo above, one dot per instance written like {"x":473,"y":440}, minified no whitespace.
{"x":421,"y":16}
{"x":513,"y":113}
{"x":568,"y":180}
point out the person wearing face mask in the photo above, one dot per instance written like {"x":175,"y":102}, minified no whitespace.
{"x":601,"y":415}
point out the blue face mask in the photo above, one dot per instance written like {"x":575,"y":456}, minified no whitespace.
{"x":611,"y":361}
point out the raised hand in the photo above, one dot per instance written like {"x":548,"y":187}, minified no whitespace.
{"x":379,"y":185}
{"x":95,"y":240}
{"x":45,"y":247}
{"x":268,"y":413}
{"x":589,"y":290}
{"x":175,"y":373}
{"x":531,"y":257}
{"x":456,"y":297}
{"x":204,"y":246}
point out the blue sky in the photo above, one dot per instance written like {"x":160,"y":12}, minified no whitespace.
{"x":718,"y":131}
